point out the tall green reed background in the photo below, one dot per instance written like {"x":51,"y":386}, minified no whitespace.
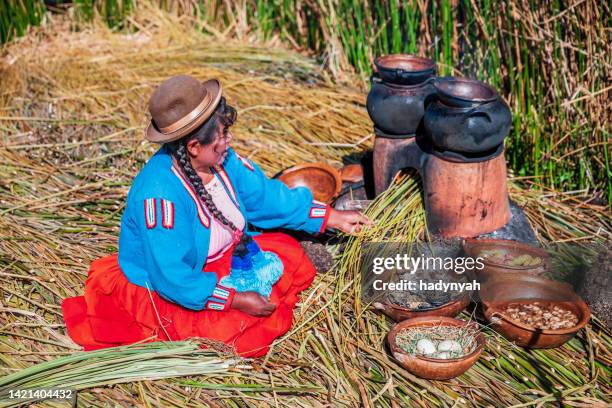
{"x":550,"y":60}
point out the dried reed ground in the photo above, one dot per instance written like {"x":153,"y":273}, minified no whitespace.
{"x":72,"y":110}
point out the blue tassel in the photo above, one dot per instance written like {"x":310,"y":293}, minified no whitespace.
{"x":257,"y":271}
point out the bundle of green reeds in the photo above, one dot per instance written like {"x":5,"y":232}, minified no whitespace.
{"x":72,"y":113}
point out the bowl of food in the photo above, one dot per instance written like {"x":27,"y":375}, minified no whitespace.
{"x":501,"y":257}
{"x":404,"y":310}
{"x":533,"y":312}
{"x":436,"y":348}
{"x":322,"y":180}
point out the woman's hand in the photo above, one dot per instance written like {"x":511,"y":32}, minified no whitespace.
{"x":349,"y":222}
{"x":253,"y":303}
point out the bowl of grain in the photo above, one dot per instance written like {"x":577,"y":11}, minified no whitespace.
{"x":533,"y":312}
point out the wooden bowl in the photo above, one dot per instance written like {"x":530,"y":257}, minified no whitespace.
{"x":321,"y":179}
{"x":473,"y":247}
{"x":497,"y":293}
{"x":431,"y":368}
{"x":399,"y":313}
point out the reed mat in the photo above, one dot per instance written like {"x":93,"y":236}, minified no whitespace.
{"x":72,"y":114}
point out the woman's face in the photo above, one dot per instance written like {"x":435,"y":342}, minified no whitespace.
{"x":204,"y":156}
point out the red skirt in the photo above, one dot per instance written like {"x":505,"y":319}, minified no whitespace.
{"x":115,"y":312}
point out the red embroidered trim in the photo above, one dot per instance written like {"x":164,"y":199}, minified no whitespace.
{"x":204,"y":218}
{"x":246,"y":162}
{"x":226,"y":180}
{"x":150,"y":212}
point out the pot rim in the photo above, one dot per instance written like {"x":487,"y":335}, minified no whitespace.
{"x":409,"y":58}
{"x":475,"y":245}
{"x":479,"y":338}
{"x":450,"y":80}
{"x":460,"y":299}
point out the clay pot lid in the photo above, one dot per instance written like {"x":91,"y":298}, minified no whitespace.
{"x":321,"y":179}
{"x":405,"y":62}
{"x":464,"y":92}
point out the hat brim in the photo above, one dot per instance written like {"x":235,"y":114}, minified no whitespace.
{"x":213,"y":88}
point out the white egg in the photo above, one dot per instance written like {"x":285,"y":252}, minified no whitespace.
{"x":425,"y":346}
{"x":443,"y":355}
{"x":450,"y":345}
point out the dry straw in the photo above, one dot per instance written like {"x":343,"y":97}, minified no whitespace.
{"x":72,"y":112}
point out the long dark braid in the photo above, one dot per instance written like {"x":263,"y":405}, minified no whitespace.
{"x":227,"y":115}
{"x":198,"y":184}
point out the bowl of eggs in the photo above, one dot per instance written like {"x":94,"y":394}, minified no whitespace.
{"x":436,"y":348}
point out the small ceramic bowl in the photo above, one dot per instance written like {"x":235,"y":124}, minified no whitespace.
{"x":400,"y":313}
{"x":321,"y":179}
{"x":431,"y":368}
{"x":496,"y":294}
{"x":474,"y":247}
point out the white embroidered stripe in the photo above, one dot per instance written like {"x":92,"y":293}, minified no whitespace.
{"x":204,"y":218}
{"x":317,"y":212}
{"x":150,"y":213}
{"x":220,"y":293}
{"x":215,"y":306}
{"x":319,"y":203}
{"x":168,"y":213}
{"x":225,"y":178}
{"x":246,"y":163}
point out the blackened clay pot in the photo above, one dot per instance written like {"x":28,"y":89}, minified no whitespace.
{"x":467,"y":117}
{"x":397,"y":99}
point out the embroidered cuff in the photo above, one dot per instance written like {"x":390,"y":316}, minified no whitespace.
{"x":319,"y":209}
{"x":221,"y":298}
{"x":325,"y":219}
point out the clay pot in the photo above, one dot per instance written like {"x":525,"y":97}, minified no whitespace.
{"x":467,"y":117}
{"x":399,"y":313}
{"x":404,"y":69}
{"x":473,"y":248}
{"x":352,"y":173}
{"x":396,"y":102}
{"x":430,"y":368}
{"x":321,"y":179}
{"x":496,"y":294}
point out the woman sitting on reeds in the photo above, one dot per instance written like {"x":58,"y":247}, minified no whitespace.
{"x":188,"y":266}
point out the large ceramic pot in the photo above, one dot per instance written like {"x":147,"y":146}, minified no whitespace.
{"x":396,"y":102}
{"x":468,"y":116}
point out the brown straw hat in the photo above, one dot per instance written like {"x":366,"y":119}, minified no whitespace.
{"x":179,"y":105}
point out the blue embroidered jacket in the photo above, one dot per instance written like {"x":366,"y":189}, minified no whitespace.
{"x":165,"y":228}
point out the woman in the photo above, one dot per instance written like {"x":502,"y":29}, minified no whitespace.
{"x":188,"y":266}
